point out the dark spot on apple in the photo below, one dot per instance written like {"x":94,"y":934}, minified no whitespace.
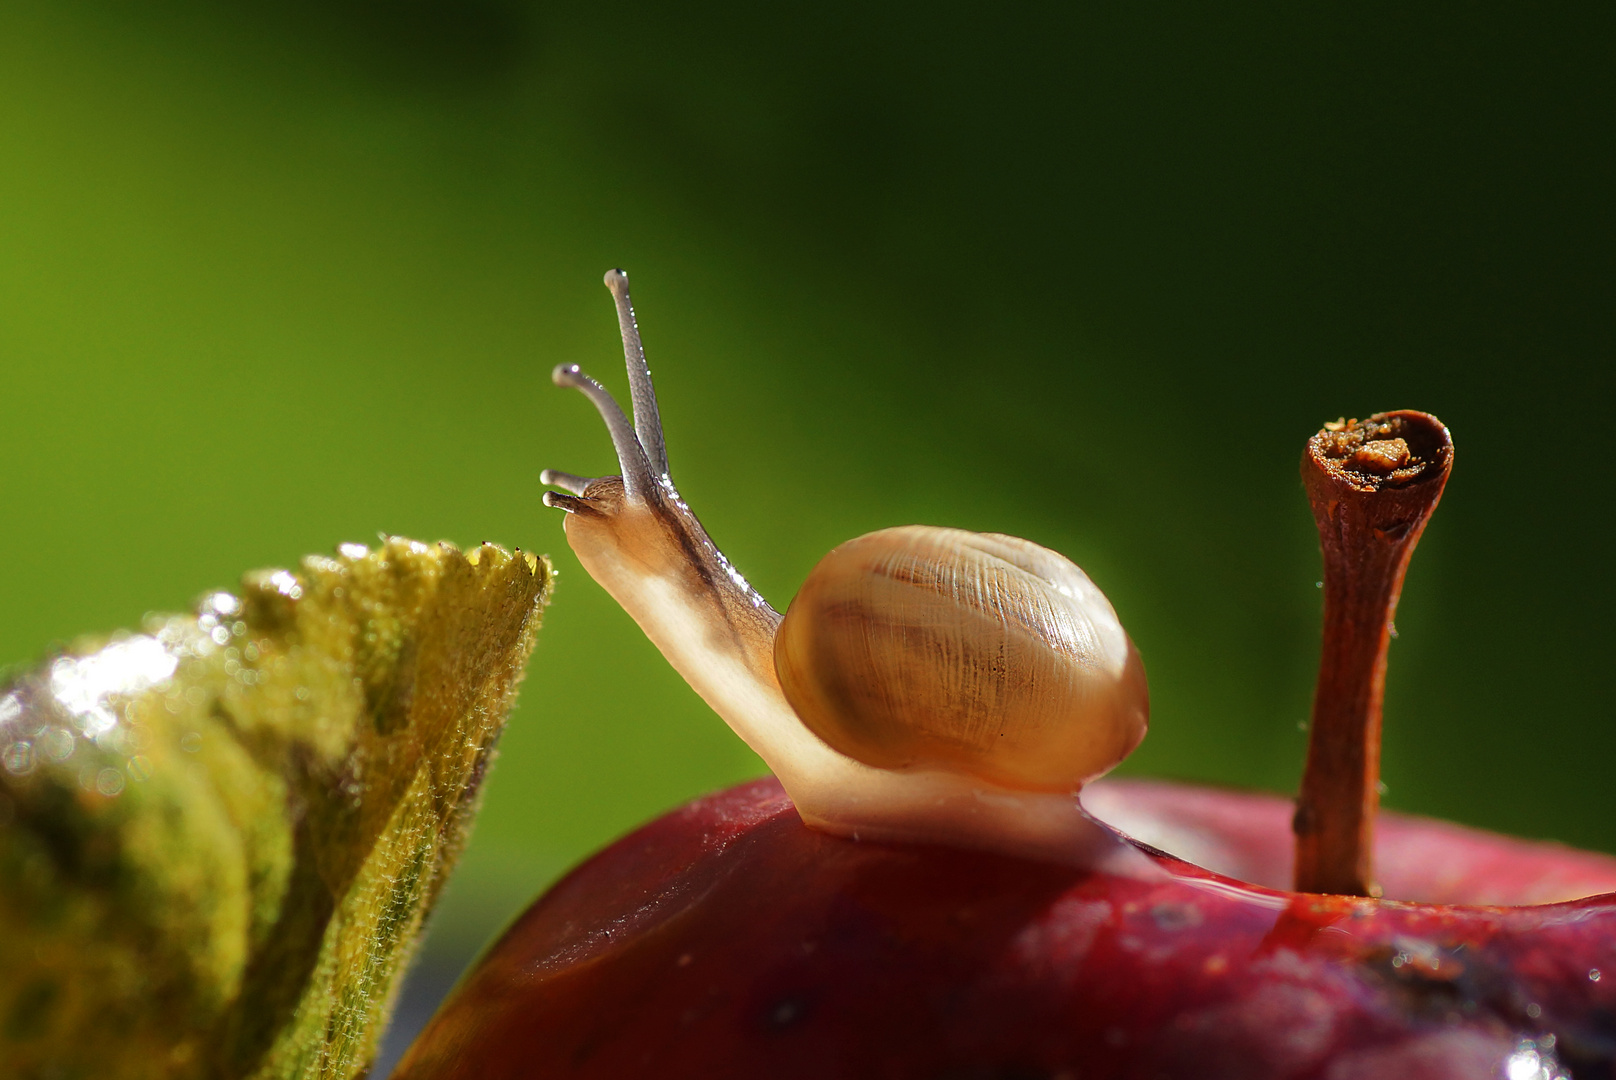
{"x":1442,"y":983}
{"x":786,"y":1012}
{"x":1001,"y":1072}
{"x":1176,"y":916}
{"x":1430,"y":980}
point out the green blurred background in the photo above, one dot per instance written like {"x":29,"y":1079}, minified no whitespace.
{"x":278,"y":276}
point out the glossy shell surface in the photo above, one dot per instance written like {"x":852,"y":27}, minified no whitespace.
{"x":987,"y":654}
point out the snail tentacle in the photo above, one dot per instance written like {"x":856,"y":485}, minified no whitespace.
{"x":642,"y":395}
{"x":638,"y":479}
{"x":571,"y":483}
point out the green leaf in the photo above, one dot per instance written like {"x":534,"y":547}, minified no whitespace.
{"x":219,"y":837}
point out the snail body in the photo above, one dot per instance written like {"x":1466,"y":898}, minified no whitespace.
{"x":926,"y":684}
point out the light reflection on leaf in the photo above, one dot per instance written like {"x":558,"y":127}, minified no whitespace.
{"x":219,"y":837}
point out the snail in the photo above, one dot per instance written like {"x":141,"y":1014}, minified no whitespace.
{"x":926,"y":684}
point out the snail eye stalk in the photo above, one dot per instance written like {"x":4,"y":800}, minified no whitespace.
{"x":642,"y":454}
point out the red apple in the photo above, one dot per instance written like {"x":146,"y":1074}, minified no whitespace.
{"x":952,"y":912}
{"x":728,"y":939}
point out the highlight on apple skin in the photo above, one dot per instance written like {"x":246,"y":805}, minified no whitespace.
{"x":728,"y":939}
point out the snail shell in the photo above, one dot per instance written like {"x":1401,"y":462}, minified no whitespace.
{"x":927,"y":685}
{"x":983,"y":653}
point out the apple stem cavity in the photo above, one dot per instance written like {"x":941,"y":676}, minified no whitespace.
{"x":1373,"y":485}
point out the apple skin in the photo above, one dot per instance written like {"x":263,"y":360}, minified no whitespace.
{"x":727,"y":939}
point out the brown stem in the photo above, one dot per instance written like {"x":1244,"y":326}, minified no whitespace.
{"x":1373,"y":484}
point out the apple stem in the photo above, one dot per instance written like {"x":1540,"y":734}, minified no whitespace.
{"x":1372,"y":485}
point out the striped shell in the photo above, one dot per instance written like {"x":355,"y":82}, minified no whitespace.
{"x":920,"y":647}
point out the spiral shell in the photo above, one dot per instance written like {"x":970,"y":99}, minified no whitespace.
{"x":920,"y":647}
